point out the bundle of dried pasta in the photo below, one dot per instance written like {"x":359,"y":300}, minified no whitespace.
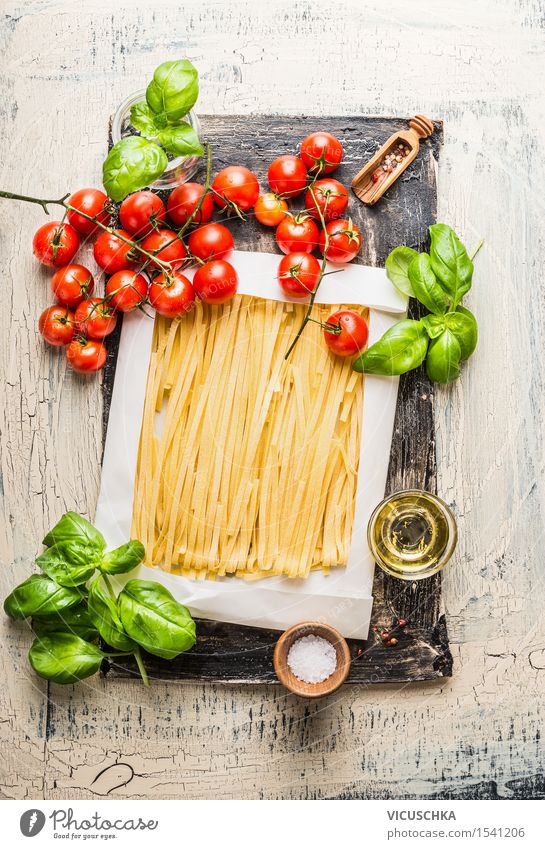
{"x":248,"y":462}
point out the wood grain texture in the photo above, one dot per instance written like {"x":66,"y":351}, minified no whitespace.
{"x":477,"y":66}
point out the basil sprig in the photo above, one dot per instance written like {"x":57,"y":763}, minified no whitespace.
{"x":448,"y":334}
{"x":72,"y":604}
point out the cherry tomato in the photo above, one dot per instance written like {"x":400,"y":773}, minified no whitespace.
{"x":298,"y":274}
{"x":56,"y":324}
{"x":270,"y":209}
{"x":72,"y":284}
{"x":92,"y":202}
{"x":287,"y":175}
{"x":95,"y":319}
{"x":344,"y":240}
{"x":297,"y":233}
{"x":166,"y":246}
{"x":353,"y":334}
{"x":113,"y":254}
{"x":141,"y":212}
{"x":86,"y":356}
{"x":183,"y":201}
{"x":216,"y":282}
{"x":321,"y":153}
{"x":55,"y":244}
{"x":212,"y":241}
{"x":235,"y":185}
{"x":126,"y":290}
{"x":331,"y":197}
{"x":171,"y":295}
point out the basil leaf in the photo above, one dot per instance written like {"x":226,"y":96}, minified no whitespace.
{"x":450,"y":262}
{"x":74,"y":528}
{"x":39,"y":596}
{"x":174,"y":89}
{"x":104,"y":615}
{"x":425,"y":286}
{"x":132,"y":163}
{"x":433,"y":325}
{"x":123,"y":559}
{"x":443,"y":360}
{"x":397,"y":265}
{"x":68,"y":563}
{"x":75,"y":620}
{"x":155,"y":620}
{"x":181,"y":140}
{"x":64,"y":658}
{"x":401,"y":349}
{"x":463,"y":325}
{"x":143,"y":120}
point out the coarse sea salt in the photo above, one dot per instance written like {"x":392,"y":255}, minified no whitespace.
{"x":312,"y":659}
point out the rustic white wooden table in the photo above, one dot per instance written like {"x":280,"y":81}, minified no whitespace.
{"x":478,"y":66}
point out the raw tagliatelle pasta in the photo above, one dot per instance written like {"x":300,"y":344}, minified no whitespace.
{"x":248,"y":462}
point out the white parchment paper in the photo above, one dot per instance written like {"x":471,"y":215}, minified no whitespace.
{"x":343,"y":598}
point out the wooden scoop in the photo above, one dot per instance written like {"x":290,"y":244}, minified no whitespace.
{"x":368,"y":188}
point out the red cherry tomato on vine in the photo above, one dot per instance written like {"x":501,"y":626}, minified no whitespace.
{"x":352,"y":336}
{"x":141,"y":213}
{"x":216,"y":282}
{"x":86,"y":356}
{"x":166,"y":246}
{"x":270,"y":210}
{"x":126,"y":290}
{"x":235,"y":185}
{"x":184,"y":199}
{"x":297,"y":233}
{"x":344,"y":240}
{"x":330,"y":196}
{"x":298,"y":274}
{"x":95,"y":319}
{"x":212,"y":241}
{"x":92,"y":202}
{"x":287,"y":176}
{"x":113,"y":254}
{"x":55,"y":244}
{"x":171,"y":295}
{"x":56,"y":324}
{"x":321,"y":153}
{"x":72,"y":284}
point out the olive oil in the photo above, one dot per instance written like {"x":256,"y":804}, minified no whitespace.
{"x":412,"y":534}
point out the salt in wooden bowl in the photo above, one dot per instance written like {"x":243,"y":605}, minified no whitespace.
{"x":302,"y":688}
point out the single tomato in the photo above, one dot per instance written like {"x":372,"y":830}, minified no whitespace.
{"x":328,"y":195}
{"x":349,"y":334}
{"x":212,"y":241}
{"x":141,"y":213}
{"x":235,"y":186}
{"x":287,"y":175}
{"x":297,"y":233}
{"x":344,"y":240}
{"x":270,"y":210}
{"x":171,"y":295}
{"x":166,"y":246}
{"x":183,"y":201}
{"x":55,"y":244}
{"x":321,"y":153}
{"x":114,"y":254}
{"x":298,"y":274}
{"x":92,"y":202}
{"x":95,"y":319}
{"x":215,"y":282}
{"x":56,"y":324}
{"x":85,"y":356}
{"x":72,"y":284}
{"x":126,"y":290}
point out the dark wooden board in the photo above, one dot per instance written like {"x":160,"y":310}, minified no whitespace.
{"x":238,"y":654}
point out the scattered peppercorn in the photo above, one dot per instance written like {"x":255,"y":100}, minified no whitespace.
{"x":360,"y":651}
{"x":401,"y":623}
{"x":392,"y":642}
{"x":385,"y":636}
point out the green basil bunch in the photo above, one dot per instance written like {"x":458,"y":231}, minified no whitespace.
{"x":448,"y":334}
{"x":72,"y":605}
{"x":136,"y":161}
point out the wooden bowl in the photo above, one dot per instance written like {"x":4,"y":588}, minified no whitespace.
{"x":302,"y":688}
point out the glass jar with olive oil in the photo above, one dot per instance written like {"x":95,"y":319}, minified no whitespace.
{"x":412,"y":534}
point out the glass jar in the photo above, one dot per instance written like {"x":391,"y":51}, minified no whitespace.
{"x":180,"y":169}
